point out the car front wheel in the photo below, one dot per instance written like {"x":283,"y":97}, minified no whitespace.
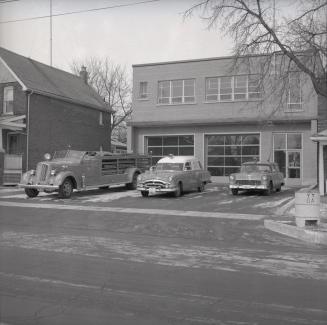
{"x":179,"y":190}
{"x":270,"y":189}
{"x":31,"y":192}
{"x":234,"y":191}
{"x":145,"y":193}
{"x":66,"y":189}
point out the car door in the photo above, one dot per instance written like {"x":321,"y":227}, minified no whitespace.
{"x":91,"y":169}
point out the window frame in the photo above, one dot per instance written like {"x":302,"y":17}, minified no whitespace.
{"x":293,"y":106}
{"x":143,"y":90}
{"x":234,"y":80}
{"x":170,"y":97}
{"x":5,"y":102}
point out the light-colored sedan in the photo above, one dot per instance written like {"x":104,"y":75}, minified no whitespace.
{"x":261,"y":176}
{"x":173,"y":174}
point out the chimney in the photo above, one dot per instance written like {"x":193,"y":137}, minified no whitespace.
{"x":83,"y":74}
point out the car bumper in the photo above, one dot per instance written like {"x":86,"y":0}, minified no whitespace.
{"x":40,"y":187}
{"x":156,"y":190}
{"x":248,"y":187}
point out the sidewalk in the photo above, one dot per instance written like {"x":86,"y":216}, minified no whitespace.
{"x":285,"y":224}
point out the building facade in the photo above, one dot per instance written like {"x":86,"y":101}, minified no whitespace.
{"x":44,"y":109}
{"x":226,"y":112}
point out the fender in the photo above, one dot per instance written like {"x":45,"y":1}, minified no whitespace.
{"x":130,"y":172}
{"x":63,"y":175}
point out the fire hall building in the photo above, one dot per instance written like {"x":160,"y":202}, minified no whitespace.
{"x":226,"y":112}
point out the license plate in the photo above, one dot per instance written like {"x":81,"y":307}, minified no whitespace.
{"x":152,"y":191}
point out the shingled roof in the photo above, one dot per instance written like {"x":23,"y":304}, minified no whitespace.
{"x":48,"y":81}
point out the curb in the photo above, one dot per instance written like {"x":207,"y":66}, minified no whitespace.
{"x":308,"y":235}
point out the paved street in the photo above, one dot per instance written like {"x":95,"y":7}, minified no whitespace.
{"x":113,"y":257}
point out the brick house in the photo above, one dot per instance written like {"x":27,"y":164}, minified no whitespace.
{"x":45,"y":109}
{"x":224,"y":111}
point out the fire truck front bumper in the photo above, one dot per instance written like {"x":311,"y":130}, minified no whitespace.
{"x":40,"y":187}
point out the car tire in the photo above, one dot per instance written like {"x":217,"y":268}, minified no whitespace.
{"x":145,"y":193}
{"x":234,"y":191}
{"x":133,"y":184}
{"x":201,"y":187}
{"x":270,"y":189}
{"x":279,"y":188}
{"x":179,"y":190}
{"x":31,"y":192}
{"x":66,"y":189}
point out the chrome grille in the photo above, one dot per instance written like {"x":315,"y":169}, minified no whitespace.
{"x":42,"y":172}
{"x":248,"y":182}
{"x":154,"y":183}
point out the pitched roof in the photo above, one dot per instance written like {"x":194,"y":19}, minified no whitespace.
{"x":52,"y":82}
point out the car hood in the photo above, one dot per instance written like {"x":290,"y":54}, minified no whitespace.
{"x":162,"y":175}
{"x":60,"y":163}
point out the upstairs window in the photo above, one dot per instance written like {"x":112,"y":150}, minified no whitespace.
{"x":8,"y":100}
{"x":233,"y":88}
{"x":176,"y":91}
{"x":294,"y":98}
{"x":143,"y":90}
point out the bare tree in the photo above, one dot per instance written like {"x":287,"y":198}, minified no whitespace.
{"x":112,"y":84}
{"x":296,"y":30}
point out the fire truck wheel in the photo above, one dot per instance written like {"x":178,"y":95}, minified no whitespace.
{"x":145,"y":193}
{"x":133,"y":184}
{"x":31,"y":192}
{"x":66,"y":189}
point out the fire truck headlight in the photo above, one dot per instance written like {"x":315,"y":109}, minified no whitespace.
{"x":53,"y":172}
{"x":32,"y":173}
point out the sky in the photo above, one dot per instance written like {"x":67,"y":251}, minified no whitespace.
{"x":141,"y":33}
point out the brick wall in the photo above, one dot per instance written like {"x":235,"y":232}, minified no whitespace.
{"x":55,"y":124}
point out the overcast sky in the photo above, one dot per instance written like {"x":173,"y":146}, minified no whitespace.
{"x":143,"y":33}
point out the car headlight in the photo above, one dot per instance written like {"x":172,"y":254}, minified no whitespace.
{"x":232,"y":177}
{"x":264,"y":177}
{"x":139,"y":178}
{"x":53,"y":172}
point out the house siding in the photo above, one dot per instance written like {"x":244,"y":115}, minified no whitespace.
{"x":57,"y":125}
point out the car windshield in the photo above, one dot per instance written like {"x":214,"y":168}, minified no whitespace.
{"x":68,"y":154}
{"x":170,"y":166}
{"x":255,"y":168}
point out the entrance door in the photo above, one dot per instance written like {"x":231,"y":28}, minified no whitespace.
{"x":288,"y":156}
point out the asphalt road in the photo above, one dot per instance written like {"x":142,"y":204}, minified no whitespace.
{"x":92,"y":260}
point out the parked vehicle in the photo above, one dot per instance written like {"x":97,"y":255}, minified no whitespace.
{"x":80,"y":170}
{"x":260,"y":176}
{"x":173,"y":174}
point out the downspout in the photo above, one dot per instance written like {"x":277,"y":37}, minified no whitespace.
{"x":28,"y":127}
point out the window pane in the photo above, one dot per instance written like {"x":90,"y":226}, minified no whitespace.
{"x":216,"y":139}
{"x":143,"y":89}
{"x":170,"y":151}
{"x":294,"y":159}
{"x":8,"y":99}
{"x":216,"y":171}
{"x":231,"y":170}
{"x":186,"y":140}
{"x":189,"y":87}
{"x":216,"y":161}
{"x":168,"y":141}
{"x":177,"y":88}
{"x":218,"y":151}
{"x":279,"y":141}
{"x":233,"y":161}
{"x":226,"y":88}
{"x":280,"y":159}
{"x":294,"y":88}
{"x":186,"y":151}
{"x":233,"y":139}
{"x":233,"y":150}
{"x":154,"y":141}
{"x":294,"y":141}
{"x":250,"y":150}
{"x":251,"y":139}
{"x":155,"y":151}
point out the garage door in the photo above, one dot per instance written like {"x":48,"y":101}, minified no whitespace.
{"x":226,"y":152}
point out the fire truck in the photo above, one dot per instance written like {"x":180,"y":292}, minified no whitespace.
{"x":72,"y":169}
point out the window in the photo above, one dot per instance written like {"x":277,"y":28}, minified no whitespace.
{"x":287,"y":153}
{"x":294,"y":98}
{"x":226,"y":152}
{"x":101,"y":118}
{"x":8,"y":100}
{"x":233,"y":88}
{"x":176,"y":91}
{"x":143,"y":91}
{"x":178,"y":145}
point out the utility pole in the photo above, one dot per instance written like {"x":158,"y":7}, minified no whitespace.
{"x":50,"y":32}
